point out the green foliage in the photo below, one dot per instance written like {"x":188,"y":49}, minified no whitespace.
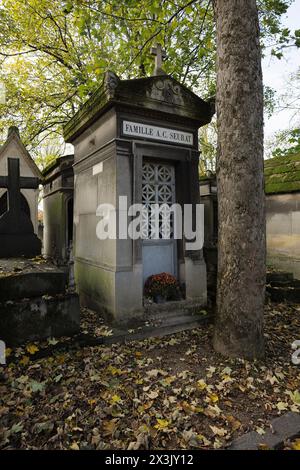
{"x":48,"y":152}
{"x":269,"y":100}
{"x":208,"y":148}
{"x":53,"y":55}
{"x":286,"y":143}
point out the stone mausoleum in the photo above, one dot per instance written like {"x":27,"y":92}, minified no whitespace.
{"x":135,"y":138}
{"x":58,"y":208}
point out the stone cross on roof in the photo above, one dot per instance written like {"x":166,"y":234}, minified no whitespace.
{"x":159,"y":54}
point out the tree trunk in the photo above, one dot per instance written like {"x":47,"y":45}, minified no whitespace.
{"x":241,"y":199}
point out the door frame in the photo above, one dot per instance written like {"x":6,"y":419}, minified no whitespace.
{"x":161,"y":242}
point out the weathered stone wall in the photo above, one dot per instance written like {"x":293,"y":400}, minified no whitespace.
{"x":54,"y":225}
{"x":58,"y":202}
{"x":98,"y":134}
{"x":38,"y":318}
{"x":105,"y":276}
{"x":283,"y":231}
{"x":95,"y":259}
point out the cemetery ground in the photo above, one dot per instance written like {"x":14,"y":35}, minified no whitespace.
{"x":173,"y":392}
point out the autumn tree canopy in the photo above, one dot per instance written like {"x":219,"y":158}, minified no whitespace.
{"x":53,"y":55}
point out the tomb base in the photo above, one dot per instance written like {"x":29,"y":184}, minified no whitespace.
{"x":13,"y":245}
{"x":39,"y":318}
{"x":196,"y":280}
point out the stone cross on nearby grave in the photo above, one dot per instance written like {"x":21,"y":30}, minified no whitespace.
{"x":13,"y":182}
{"x":159,"y":54}
{"x":16,"y":230}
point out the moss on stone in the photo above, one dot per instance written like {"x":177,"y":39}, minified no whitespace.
{"x":282,"y":174}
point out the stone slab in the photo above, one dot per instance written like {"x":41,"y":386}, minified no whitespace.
{"x":284,"y":294}
{"x":12,"y":245}
{"x":178,"y":324}
{"x":279,"y":276}
{"x":39,"y":318}
{"x":32,"y":284}
{"x":281,"y":429}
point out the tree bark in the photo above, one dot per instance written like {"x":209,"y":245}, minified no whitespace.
{"x":241,"y":200}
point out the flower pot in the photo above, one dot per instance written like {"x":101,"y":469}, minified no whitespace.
{"x":159,"y":299}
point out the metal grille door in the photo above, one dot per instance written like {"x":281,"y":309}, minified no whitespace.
{"x":158,"y":192}
{"x":159,"y":246}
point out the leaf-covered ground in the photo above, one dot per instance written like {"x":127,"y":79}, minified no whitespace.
{"x":164,"y":393}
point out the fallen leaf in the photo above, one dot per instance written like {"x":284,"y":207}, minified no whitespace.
{"x":296,"y":444}
{"x":213,"y":398}
{"x":74,"y":446}
{"x":32,"y":348}
{"x":281,"y":406}
{"x":110,"y":427}
{"x":162,"y":424}
{"x":218,"y":431}
{"x":152,"y":395}
{"x":201,"y":384}
{"x":260,"y":431}
{"x":16,"y":428}
{"x":24,"y":361}
{"x":116,"y":399}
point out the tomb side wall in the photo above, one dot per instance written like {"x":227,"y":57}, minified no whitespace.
{"x":95,"y":184}
{"x":283,"y":231}
{"x":54,"y":225}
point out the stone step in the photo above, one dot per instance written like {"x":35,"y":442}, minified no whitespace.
{"x":279,"y":276}
{"x":287,"y":283}
{"x":168,"y":327}
{"x":175,"y":306}
{"x":174,"y":317}
{"x":284,"y":294}
{"x":169,"y":314}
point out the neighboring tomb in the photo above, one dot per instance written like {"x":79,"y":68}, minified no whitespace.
{"x":58,"y":208}
{"x":19,"y":186}
{"x":14,"y":148}
{"x":282,"y":187}
{"x":139,"y":139}
{"x":35,"y":301}
{"x":208,"y":195}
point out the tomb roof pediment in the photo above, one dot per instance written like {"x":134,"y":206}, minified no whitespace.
{"x":14,"y":139}
{"x":162,"y":94}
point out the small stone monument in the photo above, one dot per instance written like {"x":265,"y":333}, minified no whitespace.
{"x":19,"y":193}
{"x":17,"y":237}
